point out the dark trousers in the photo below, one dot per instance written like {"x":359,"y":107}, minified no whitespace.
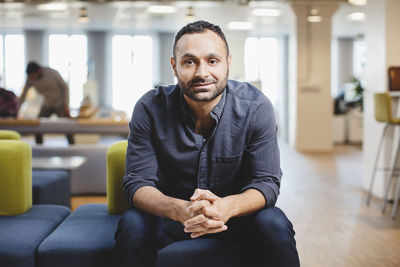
{"x":267,"y":238}
{"x":47,"y":112}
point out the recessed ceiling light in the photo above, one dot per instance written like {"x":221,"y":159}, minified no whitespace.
{"x":161,"y":9}
{"x":240,"y":25}
{"x":358,"y":2}
{"x":52,"y":7}
{"x":266,"y":12}
{"x":356,"y":16}
{"x":314,"y":16}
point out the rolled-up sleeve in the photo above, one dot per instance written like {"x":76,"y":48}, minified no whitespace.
{"x":262,"y":154}
{"x":141,"y":160}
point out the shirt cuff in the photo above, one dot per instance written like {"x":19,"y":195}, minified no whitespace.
{"x":267,"y":191}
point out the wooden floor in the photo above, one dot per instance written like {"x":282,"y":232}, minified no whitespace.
{"x":322,"y":196}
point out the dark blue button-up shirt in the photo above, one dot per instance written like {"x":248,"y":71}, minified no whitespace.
{"x":242,"y":152}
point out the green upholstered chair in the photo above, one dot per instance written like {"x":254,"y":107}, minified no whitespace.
{"x":384,"y":113}
{"x":10,"y":135}
{"x":15,"y":177}
{"x":116,"y":200}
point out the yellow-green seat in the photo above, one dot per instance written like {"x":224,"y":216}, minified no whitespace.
{"x":9,"y":135}
{"x":116,"y":201}
{"x":383,"y":108}
{"x":384,"y":113}
{"x":15,"y":177}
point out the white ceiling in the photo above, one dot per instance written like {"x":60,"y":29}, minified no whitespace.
{"x":132,"y":16}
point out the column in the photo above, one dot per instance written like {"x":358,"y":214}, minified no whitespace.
{"x":313,"y":105}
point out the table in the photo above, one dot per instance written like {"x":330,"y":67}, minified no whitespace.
{"x":66,"y":126}
{"x":57,"y":163}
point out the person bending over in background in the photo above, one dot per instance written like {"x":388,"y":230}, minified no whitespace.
{"x":49,"y":83}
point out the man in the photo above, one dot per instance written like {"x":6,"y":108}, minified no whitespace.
{"x":203,"y":161}
{"x":49,"y":83}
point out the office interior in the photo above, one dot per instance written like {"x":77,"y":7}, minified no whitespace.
{"x":308,"y":56}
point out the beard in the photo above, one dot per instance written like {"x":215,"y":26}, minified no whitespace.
{"x":216,"y":90}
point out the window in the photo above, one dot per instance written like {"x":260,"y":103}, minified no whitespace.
{"x":132,"y":70}
{"x":12,"y":62}
{"x":261,"y":64}
{"x":68,"y":55}
{"x":359,"y":59}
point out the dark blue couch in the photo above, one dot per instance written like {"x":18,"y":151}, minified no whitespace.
{"x":21,"y":235}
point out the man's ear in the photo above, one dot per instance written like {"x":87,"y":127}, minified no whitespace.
{"x":173,"y":65}
{"x":229,"y":61}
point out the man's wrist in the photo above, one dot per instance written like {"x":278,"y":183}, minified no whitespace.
{"x":177,"y":209}
{"x":232,"y":208}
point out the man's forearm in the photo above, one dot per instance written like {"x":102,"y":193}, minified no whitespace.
{"x":246,"y":203}
{"x":151,"y":200}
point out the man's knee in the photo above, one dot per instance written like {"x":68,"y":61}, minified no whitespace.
{"x":273,"y":225}
{"x":136,"y":227}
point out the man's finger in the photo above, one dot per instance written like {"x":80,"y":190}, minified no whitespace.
{"x":206,"y":225}
{"x":195,"y":220}
{"x":196,"y":194}
{"x":209,"y":231}
{"x":209,"y":224}
{"x":200,"y":194}
{"x":196,"y":206}
{"x":212,"y":212}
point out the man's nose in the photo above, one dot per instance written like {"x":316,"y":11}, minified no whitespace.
{"x":202,"y":70}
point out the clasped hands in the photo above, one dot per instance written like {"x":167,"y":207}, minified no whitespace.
{"x":205,"y":213}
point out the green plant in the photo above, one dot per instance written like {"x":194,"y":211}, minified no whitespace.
{"x":358,"y":92}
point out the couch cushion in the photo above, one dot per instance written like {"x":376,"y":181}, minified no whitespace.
{"x":51,"y":187}
{"x":200,"y":252}
{"x":85,"y":238}
{"x":15,"y":177}
{"x":21,"y":235}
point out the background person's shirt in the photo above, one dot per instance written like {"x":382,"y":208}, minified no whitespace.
{"x":52,"y":86}
{"x":165,"y":152}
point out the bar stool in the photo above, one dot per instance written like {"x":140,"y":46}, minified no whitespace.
{"x":383,"y":113}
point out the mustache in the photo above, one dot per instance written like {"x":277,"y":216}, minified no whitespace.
{"x":199,"y":80}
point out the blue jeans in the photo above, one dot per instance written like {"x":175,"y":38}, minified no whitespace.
{"x":267,"y":238}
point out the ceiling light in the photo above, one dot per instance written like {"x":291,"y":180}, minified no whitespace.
{"x":190,"y":14}
{"x":356,"y":16}
{"x":12,"y":5}
{"x":240,"y":25}
{"x":83,"y":16}
{"x":161,"y":9}
{"x":266,"y":12}
{"x":52,"y":7}
{"x":358,"y":2}
{"x":314,"y":16}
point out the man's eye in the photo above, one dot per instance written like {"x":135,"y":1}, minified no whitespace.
{"x":189,"y":62}
{"x":213,"y":61}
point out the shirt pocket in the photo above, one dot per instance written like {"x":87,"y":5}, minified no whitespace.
{"x":225,"y":169}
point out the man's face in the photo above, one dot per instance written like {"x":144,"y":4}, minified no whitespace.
{"x":201,"y":65}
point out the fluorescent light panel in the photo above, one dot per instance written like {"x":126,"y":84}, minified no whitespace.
{"x":358,"y":2}
{"x":356,"y":16}
{"x":240,"y":25}
{"x":266,"y":12}
{"x":52,"y":7}
{"x":161,"y":9}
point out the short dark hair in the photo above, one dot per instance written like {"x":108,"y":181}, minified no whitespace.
{"x":198,"y":27}
{"x":32,"y":67}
